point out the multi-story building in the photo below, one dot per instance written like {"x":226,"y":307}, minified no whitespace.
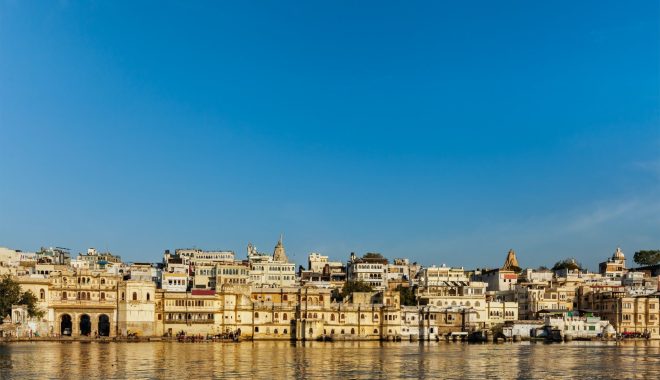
{"x":271,"y":271}
{"x":175,"y":275}
{"x":97,"y":260}
{"x":614,"y":267}
{"x":234,"y":273}
{"x":440,"y":276}
{"x":535,"y":297}
{"x":397,"y":274}
{"x":369,"y":269}
{"x":323,"y":273}
{"x":639,"y":314}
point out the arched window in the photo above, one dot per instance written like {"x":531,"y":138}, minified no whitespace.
{"x":123,"y":296}
{"x":63,"y":295}
{"x":332,"y":317}
{"x":375,"y":331}
{"x":353,"y":331}
{"x":256,"y":315}
{"x":277,"y":315}
{"x":134,"y":296}
{"x":375,"y":316}
{"x":42,"y":294}
{"x":148,"y":297}
{"x":102,"y":296}
{"x":285,"y":318}
{"x":103,"y":281}
{"x":361,"y":316}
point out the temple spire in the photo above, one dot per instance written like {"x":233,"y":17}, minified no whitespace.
{"x":511,"y":262}
{"x":280,"y":252}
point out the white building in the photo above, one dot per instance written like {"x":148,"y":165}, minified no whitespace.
{"x":439,"y":276}
{"x":371,"y":269}
{"x":271,"y":271}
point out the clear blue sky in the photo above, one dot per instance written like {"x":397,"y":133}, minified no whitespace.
{"x":446,"y":132}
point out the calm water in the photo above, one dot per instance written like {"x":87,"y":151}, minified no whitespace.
{"x":363,"y":360}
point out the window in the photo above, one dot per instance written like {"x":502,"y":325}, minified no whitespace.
{"x":285,"y":318}
{"x":64,"y":295}
{"x":134,"y":296}
{"x":123,"y":296}
{"x":102,"y":296}
{"x":148,"y":297}
{"x":42,"y":294}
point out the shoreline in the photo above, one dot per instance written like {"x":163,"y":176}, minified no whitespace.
{"x":175,"y":340}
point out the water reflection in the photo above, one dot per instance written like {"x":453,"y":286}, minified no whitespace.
{"x":329,"y":360}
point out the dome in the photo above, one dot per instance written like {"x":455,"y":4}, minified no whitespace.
{"x":618,"y":254}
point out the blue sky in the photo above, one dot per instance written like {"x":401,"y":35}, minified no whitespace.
{"x":447,"y":132}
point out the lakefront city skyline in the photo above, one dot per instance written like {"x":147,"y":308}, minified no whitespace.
{"x":292,"y":189}
{"x":435,"y":131}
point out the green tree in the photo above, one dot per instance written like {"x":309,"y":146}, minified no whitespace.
{"x":30,"y":300}
{"x":651,"y":257}
{"x":407,"y":296}
{"x":568,"y":263}
{"x":355,"y":286}
{"x":373,"y":255}
{"x":348,"y":289}
{"x":10,"y":294}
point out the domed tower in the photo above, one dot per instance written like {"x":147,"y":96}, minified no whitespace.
{"x":280,"y":252}
{"x":614,"y":267}
{"x":618,"y":254}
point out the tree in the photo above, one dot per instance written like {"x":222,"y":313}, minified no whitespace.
{"x":568,"y":263}
{"x":407,"y":296}
{"x":10,"y":294}
{"x":355,"y":286}
{"x":373,"y":255}
{"x":30,"y":300}
{"x":651,"y":257}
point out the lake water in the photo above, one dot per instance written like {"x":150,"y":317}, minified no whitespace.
{"x":315,"y":360}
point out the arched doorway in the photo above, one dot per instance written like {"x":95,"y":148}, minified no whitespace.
{"x":85,"y":324}
{"x":104,"y":325}
{"x":66,"y":325}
